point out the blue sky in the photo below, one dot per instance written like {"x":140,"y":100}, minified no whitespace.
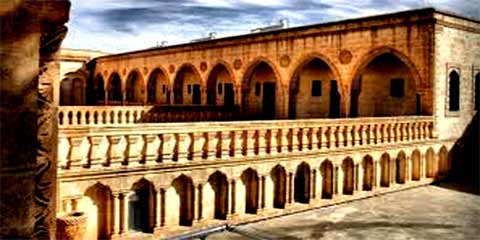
{"x":126,"y":25}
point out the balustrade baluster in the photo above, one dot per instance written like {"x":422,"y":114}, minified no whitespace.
{"x":149,"y":152}
{"x":363,"y":135}
{"x":384,"y":132}
{"x":349,"y":138}
{"x":339,"y":134}
{"x":115,"y":151}
{"x":398,"y":136}
{"x":97,"y":154}
{"x":226,"y":139}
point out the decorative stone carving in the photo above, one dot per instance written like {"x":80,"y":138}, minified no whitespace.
{"x":203,"y":66}
{"x":171,"y":68}
{"x":124,"y":72}
{"x":145,"y":70}
{"x":105,"y":73}
{"x":285,"y":61}
{"x":345,"y":57}
{"x":237,"y":64}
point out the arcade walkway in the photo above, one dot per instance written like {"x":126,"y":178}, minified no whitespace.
{"x":429,"y":212}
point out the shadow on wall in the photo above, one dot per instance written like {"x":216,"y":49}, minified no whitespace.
{"x":465,"y":171}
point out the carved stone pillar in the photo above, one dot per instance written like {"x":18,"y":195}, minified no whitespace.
{"x":30,"y":35}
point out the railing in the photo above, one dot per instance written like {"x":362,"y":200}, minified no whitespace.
{"x":159,"y":143}
{"x":100,"y":115}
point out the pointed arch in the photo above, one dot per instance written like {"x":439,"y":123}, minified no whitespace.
{"x":453,"y":91}
{"x":401,"y":168}
{"x":219,"y":183}
{"x":185,"y":189}
{"x":251,"y":182}
{"x":431,"y":165}
{"x":114,"y":92}
{"x":302,"y":183}
{"x":385,"y":170}
{"x":326,"y":170}
{"x":368,"y":173}
{"x":279,"y":177}
{"x":348,"y":176}
{"x":99,"y":90}
{"x":443,"y":161}
{"x":142,"y":205}
{"x":102,"y":197}
{"x":416,"y":164}
{"x":135,"y":89}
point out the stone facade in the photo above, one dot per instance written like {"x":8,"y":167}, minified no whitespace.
{"x":371,"y":75}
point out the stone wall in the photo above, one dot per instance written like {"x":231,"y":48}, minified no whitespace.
{"x":457,"y":47}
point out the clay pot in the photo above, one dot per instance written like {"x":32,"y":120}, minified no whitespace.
{"x":71,"y":226}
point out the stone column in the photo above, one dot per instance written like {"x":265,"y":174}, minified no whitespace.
{"x":124,"y":214}
{"x":198,"y":204}
{"x":30,"y":35}
{"x":116,"y":213}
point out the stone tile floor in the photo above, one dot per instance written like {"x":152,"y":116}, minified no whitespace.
{"x":428,"y":212}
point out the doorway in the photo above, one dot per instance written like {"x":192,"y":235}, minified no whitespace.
{"x":268,"y":103}
{"x":197,"y":95}
{"x":229,"y":95}
{"x":334,"y":100}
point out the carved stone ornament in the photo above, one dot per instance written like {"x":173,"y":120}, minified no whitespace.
{"x":124,"y":72}
{"x":284,"y":61}
{"x":345,"y":57}
{"x":203,"y":66}
{"x":171,"y":68}
{"x":237,"y":64}
{"x":145,"y":70}
{"x":105,"y":73}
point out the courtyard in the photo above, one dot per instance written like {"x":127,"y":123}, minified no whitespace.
{"x":428,"y":212}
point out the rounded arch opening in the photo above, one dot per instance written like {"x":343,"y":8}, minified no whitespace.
{"x":326,"y":170}
{"x":114,"y":89}
{"x":219,"y":183}
{"x":348,"y":176}
{"x":453,"y":91}
{"x":102,"y":197}
{"x":368,"y":173}
{"x":251,"y":182}
{"x":279,"y":177}
{"x":302,"y":183}
{"x":186,"y":193}
{"x":430,"y":158}
{"x":142,"y":207}
{"x":385,"y":170}
{"x":401,"y":167}
{"x":416,"y":165}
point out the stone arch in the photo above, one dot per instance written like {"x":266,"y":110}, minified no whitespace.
{"x":221,"y":86}
{"x":158,"y":87}
{"x":399,"y":95}
{"x":401,"y":168}
{"x":302,"y":183}
{"x":263,"y":94}
{"x":187,"y":85}
{"x":251,"y":181}
{"x":454,"y":91}
{"x":368,"y":173}
{"x":443,"y":161}
{"x":416,"y":158}
{"x":134,"y":89}
{"x":279,"y":177}
{"x":326,"y":170}
{"x":99,"y":89}
{"x":186,"y":192}
{"x":102,"y":197}
{"x":431,"y":166}
{"x":72,"y":91}
{"x":114,"y":91}
{"x":142,"y":206}
{"x":314,"y":82}
{"x":219,"y":183}
{"x":348,"y":167}
{"x":385,"y":170}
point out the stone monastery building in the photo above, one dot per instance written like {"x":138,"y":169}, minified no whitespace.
{"x":175,"y":139}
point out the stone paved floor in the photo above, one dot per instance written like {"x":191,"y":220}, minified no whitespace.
{"x":429,"y":212}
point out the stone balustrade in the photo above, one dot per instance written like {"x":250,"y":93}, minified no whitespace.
{"x":97,"y":146}
{"x":100,"y":115}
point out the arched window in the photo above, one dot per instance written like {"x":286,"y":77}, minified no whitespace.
{"x":454,"y":91}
